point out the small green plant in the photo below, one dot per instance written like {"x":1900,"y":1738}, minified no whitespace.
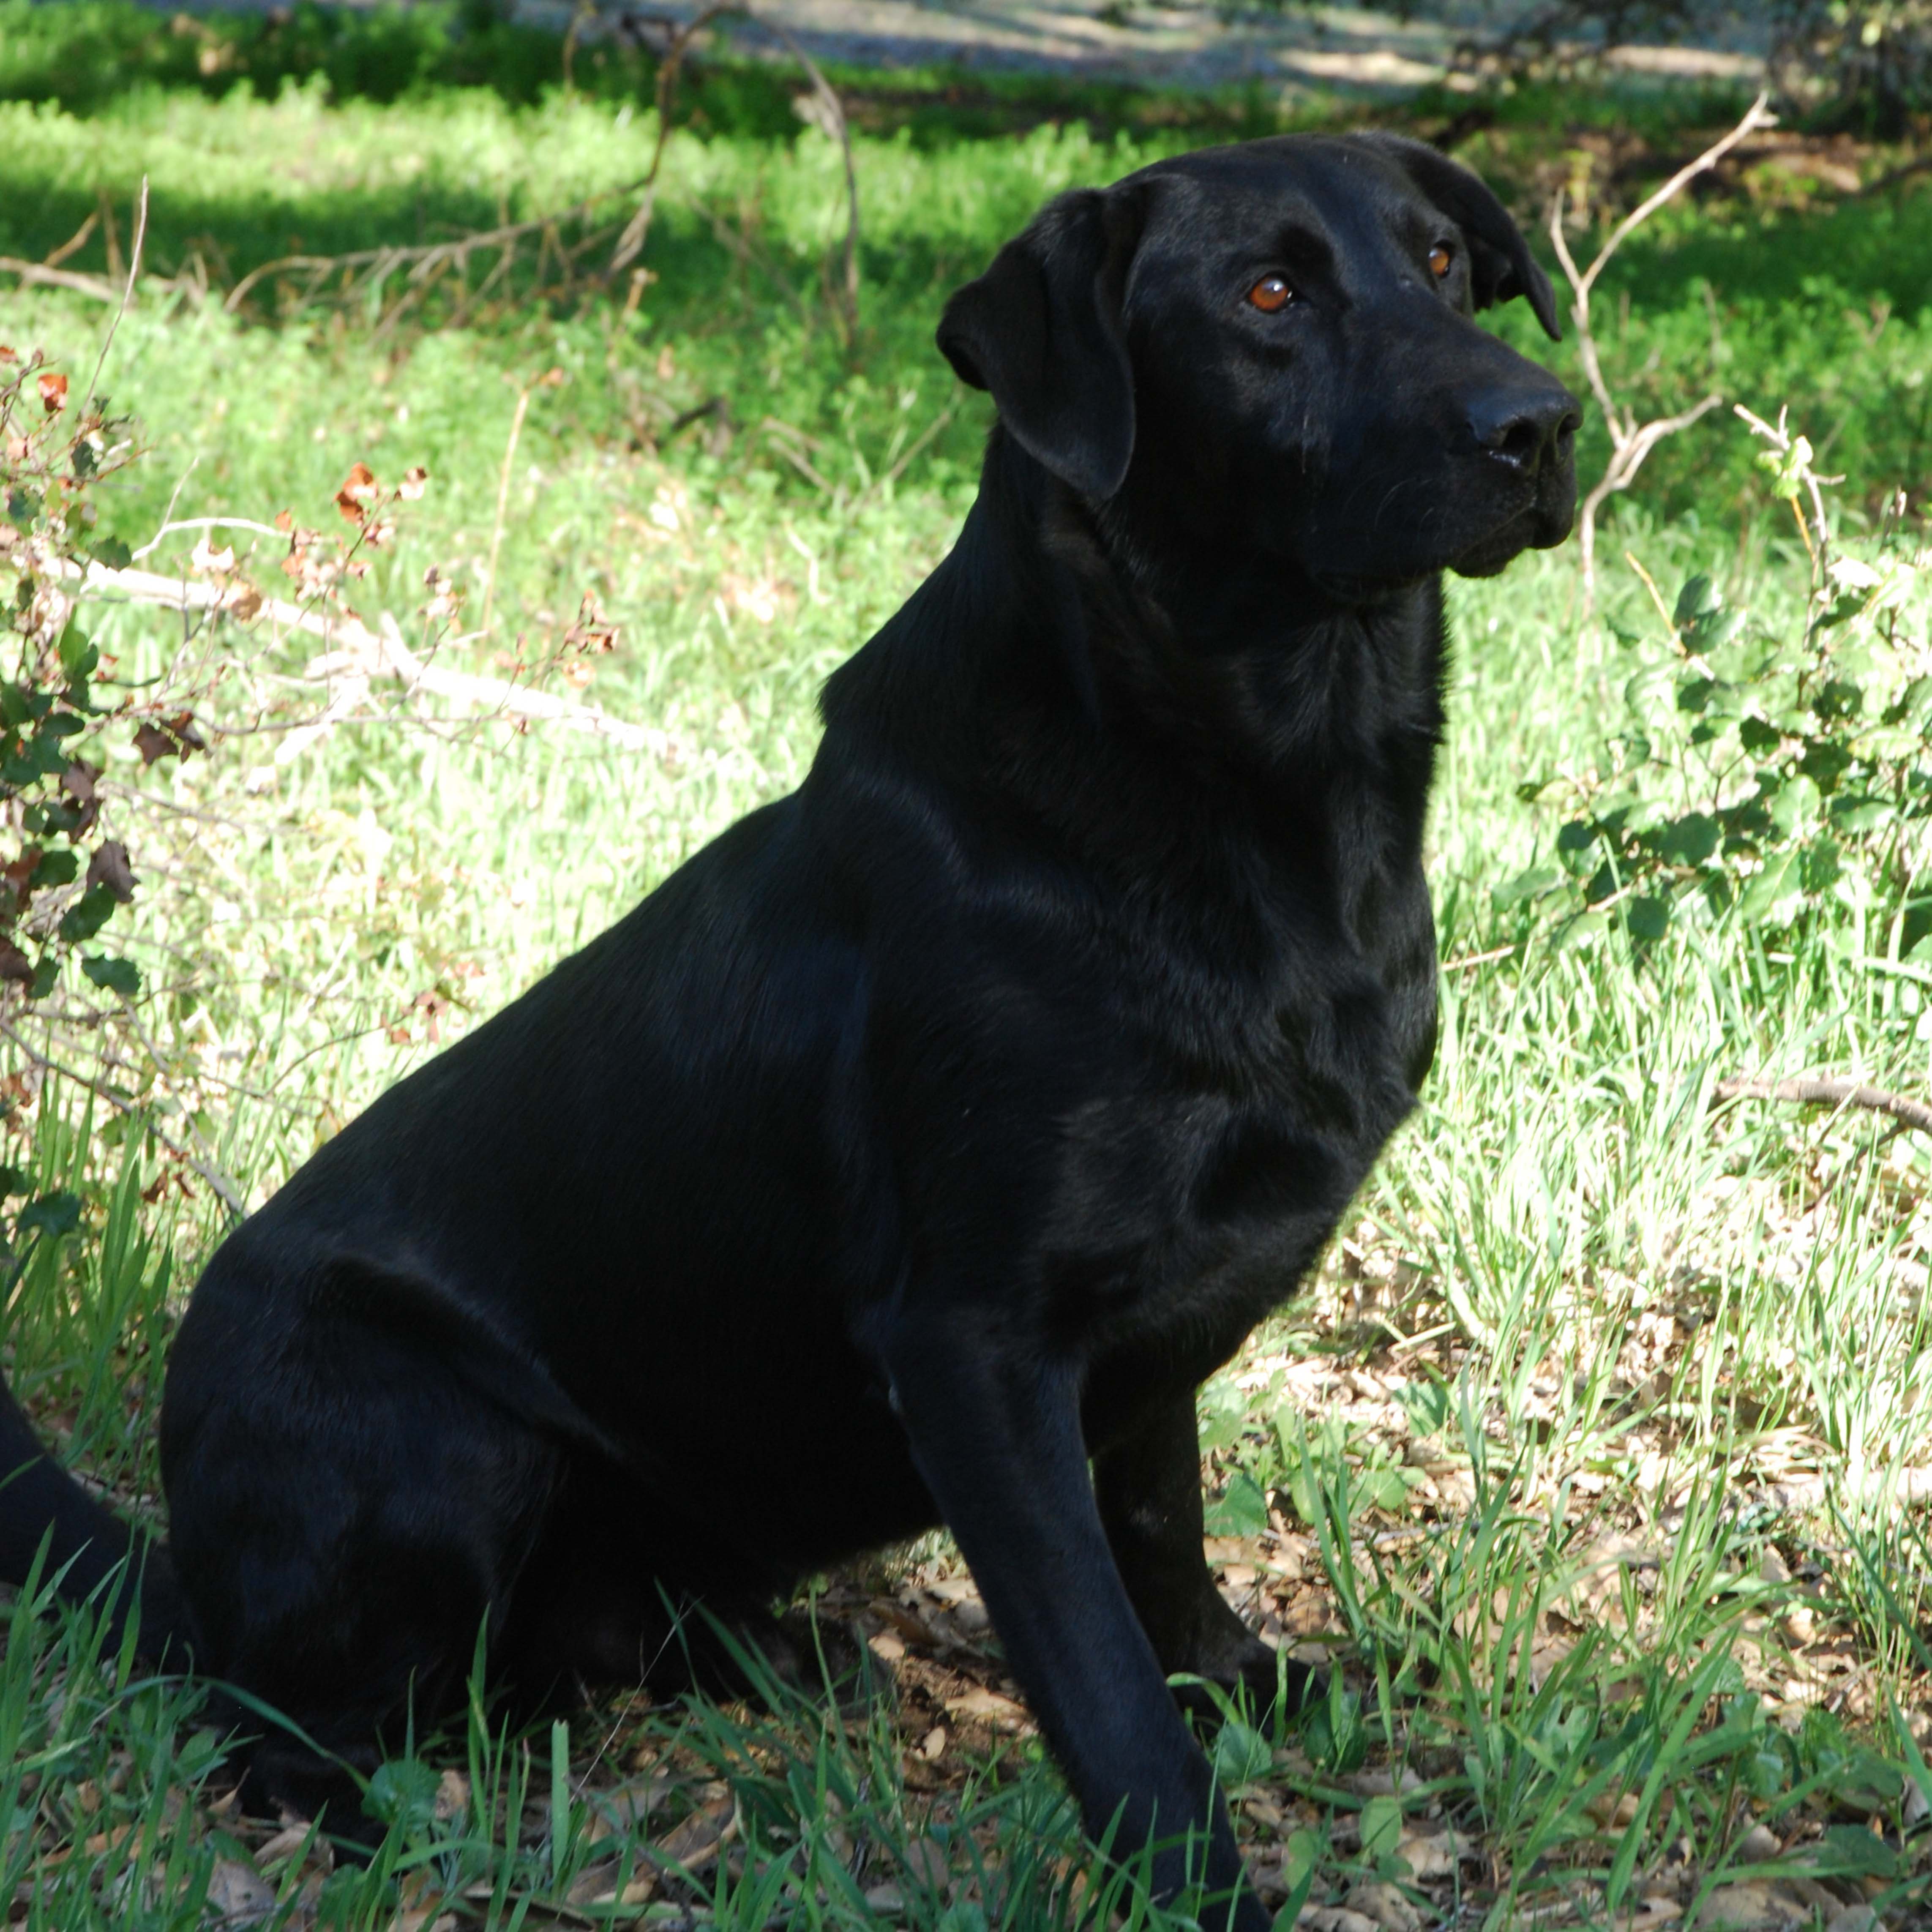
{"x":1769,"y":765}
{"x":1268,"y":1452}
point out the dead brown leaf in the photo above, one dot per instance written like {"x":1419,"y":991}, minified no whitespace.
{"x":695,"y":1842}
{"x":1435,"y":1856}
{"x":287,"y":1842}
{"x":359,"y":489}
{"x":110,"y":866}
{"x":153,"y":744}
{"x":978,"y":1702}
{"x":1384,"y":1905}
{"x":1750,"y":1905}
{"x":239,"y":1893}
{"x":1334,"y":1918}
{"x":17,"y":874}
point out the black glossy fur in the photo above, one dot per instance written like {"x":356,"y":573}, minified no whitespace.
{"x":941,"y":1126}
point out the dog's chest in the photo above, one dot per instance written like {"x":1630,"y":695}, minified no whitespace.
{"x":1194,"y":1189}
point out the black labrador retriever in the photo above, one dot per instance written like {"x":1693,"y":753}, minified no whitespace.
{"x":911,"y":1155}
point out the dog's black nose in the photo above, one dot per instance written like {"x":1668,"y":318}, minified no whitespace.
{"x":1525,"y":428}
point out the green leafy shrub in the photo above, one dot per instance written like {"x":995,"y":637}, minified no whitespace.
{"x":62,"y":881}
{"x":66,"y":710}
{"x":1770,"y":763}
{"x":83,"y":54}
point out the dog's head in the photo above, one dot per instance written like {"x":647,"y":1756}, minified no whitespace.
{"x":1270,"y":347}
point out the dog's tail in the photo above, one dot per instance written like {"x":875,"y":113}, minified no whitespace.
{"x":90,"y":1554}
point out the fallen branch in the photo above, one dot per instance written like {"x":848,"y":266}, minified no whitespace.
{"x":1827,"y":1092}
{"x":39,"y":274}
{"x":1803,"y":1496}
{"x":363,"y":653}
{"x":422,"y":261}
{"x":1630,"y":441}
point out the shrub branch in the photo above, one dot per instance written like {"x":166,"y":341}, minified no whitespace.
{"x":1631,"y":441}
{"x":365,"y":653}
{"x":831,"y":119}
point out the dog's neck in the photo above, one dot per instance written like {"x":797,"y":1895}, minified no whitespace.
{"x":1048,"y":618}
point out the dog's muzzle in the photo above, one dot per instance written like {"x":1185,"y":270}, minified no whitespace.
{"x":1523,"y":435}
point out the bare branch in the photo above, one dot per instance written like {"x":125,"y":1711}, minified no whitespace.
{"x":422,"y":261}
{"x":1630,"y":441}
{"x":229,"y":1194}
{"x":637,"y":230}
{"x":834,"y":124}
{"x":170,"y":527}
{"x":74,"y":243}
{"x":39,"y":274}
{"x":1625,"y":459}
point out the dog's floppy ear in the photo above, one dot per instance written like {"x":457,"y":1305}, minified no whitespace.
{"x":1041,"y":329}
{"x":1497,"y":254}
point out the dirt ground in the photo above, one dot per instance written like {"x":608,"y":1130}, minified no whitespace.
{"x":1296,"y":46}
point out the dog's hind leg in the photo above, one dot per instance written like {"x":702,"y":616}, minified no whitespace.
{"x":624,"y":1588}
{"x":1148,"y":1487}
{"x":348,"y":1514}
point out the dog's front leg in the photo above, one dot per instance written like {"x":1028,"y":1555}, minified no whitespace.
{"x":994,"y":1427}
{"x":1148,"y":1484}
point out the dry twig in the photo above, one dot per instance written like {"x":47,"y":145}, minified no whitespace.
{"x":39,"y":274}
{"x":370,"y":268}
{"x":117,"y":286}
{"x":502,"y":506}
{"x":126,"y":302}
{"x":832,"y":111}
{"x":225,"y":1190}
{"x":1828,"y":1092}
{"x":1631,"y":441}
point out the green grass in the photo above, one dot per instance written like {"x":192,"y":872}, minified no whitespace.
{"x":1582,"y":1455}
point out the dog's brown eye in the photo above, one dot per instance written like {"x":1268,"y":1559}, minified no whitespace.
{"x":1269,"y":293}
{"x":1439,"y":259}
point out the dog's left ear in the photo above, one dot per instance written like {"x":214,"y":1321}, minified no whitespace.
{"x":1498,"y":254}
{"x":1041,"y":329}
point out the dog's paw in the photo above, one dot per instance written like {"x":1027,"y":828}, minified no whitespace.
{"x":285,"y":1779}
{"x":821,"y":1651}
{"x":1256,"y":1676}
{"x":815,"y":1655}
